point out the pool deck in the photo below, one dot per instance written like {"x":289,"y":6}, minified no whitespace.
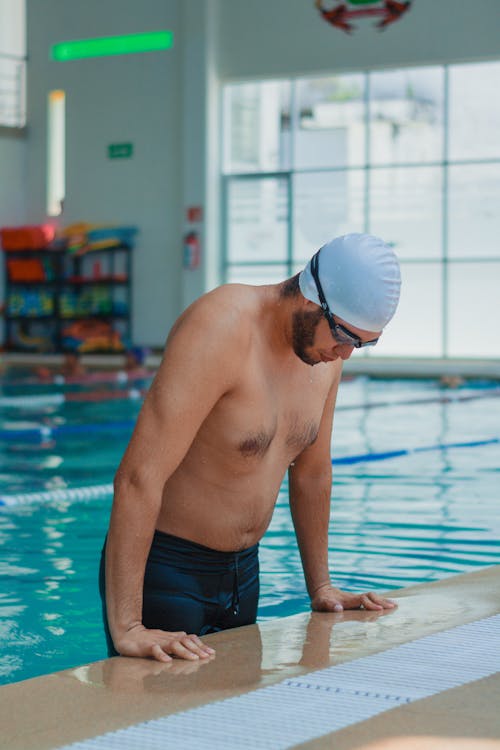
{"x":50,"y":711}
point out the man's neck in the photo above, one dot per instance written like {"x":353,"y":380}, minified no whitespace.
{"x":277,"y":311}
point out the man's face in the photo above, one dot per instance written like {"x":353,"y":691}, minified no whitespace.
{"x":312,"y":339}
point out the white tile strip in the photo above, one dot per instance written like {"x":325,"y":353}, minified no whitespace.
{"x":298,"y":710}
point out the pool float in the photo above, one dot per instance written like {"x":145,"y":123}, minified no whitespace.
{"x":341,"y":13}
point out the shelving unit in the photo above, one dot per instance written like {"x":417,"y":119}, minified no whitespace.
{"x":59,"y":301}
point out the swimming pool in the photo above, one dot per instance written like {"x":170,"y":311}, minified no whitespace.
{"x":398,"y":516}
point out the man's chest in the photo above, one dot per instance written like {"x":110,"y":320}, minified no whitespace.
{"x":277,"y":413}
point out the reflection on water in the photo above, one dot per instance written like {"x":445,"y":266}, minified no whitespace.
{"x":415,"y":518}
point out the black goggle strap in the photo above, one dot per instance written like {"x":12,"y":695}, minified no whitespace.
{"x":315,"y":275}
{"x":349,"y":337}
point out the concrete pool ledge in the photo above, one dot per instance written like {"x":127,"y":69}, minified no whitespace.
{"x":53,"y":710}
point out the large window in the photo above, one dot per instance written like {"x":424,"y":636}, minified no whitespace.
{"x":12,"y":63}
{"x":412,"y":155}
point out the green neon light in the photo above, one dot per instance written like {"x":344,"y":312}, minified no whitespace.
{"x":130,"y":44}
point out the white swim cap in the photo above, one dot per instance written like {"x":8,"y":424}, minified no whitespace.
{"x":360,"y":277}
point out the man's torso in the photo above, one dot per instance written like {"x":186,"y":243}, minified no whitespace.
{"x":223,"y":493}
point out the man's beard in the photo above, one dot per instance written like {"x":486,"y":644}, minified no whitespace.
{"x":304,"y":326}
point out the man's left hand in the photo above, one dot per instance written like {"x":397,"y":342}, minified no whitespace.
{"x":329,"y":599}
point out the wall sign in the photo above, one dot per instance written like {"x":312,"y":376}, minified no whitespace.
{"x":120,"y":150}
{"x":194,"y":214}
{"x":78,"y":49}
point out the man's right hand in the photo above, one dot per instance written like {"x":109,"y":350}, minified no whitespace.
{"x":161,"y":645}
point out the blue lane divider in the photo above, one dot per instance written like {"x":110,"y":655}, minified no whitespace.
{"x":44,"y":432}
{"x":364,"y":457}
{"x":57,"y":399}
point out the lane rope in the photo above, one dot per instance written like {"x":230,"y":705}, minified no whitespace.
{"x":105,"y":490}
{"x":114,"y":376}
{"x":49,"y":399}
{"x":77,"y":493}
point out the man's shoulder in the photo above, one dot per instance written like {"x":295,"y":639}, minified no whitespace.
{"x":228,"y":312}
{"x":227,"y":306}
{"x":237,"y":296}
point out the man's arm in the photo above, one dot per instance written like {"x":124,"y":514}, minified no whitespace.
{"x":310,"y":482}
{"x":195,"y":373}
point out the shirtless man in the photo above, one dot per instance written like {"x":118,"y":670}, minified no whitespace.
{"x":245,"y":392}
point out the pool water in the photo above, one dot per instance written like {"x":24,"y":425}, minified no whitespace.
{"x":425,"y":513}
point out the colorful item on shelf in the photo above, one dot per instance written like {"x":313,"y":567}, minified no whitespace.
{"x":75,"y":235}
{"x":91,"y":301}
{"x":82,"y":238}
{"x":27,"y":237}
{"x":29,"y":342}
{"x":91,"y":335}
{"x":341,"y":13}
{"x":31,"y":269}
{"x":32,"y":303}
{"x":105,"y":237}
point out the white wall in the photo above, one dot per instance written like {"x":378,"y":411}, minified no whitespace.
{"x":201,"y":141}
{"x":12,"y":185}
{"x":12,"y":178}
{"x":264,"y":38}
{"x":12,"y":144}
{"x":134,"y":99}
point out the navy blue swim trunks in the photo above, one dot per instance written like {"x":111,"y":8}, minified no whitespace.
{"x":193,"y":588}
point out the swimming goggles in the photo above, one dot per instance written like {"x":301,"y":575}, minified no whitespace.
{"x":340,"y":333}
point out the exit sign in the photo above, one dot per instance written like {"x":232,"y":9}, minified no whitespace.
{"x":120,"y":150}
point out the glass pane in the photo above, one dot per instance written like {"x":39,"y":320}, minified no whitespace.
{"x":415,"y":330}
{"x":406,"y":116}
{"x":13,"y":27}
{"x":326,"y":204}
{"x":473,"y":310}
{"x":256,"y":126}
{"x":257,"y":216}
{"x":12,"y":92}
{"x":474,"y":219}
{"x":256,"y":275}
{"x":13,"y":67}
{"x":330,"y":122}
{"x":298,"y":267}
{"x":474,"y":111}
{"x":405,"y":209}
